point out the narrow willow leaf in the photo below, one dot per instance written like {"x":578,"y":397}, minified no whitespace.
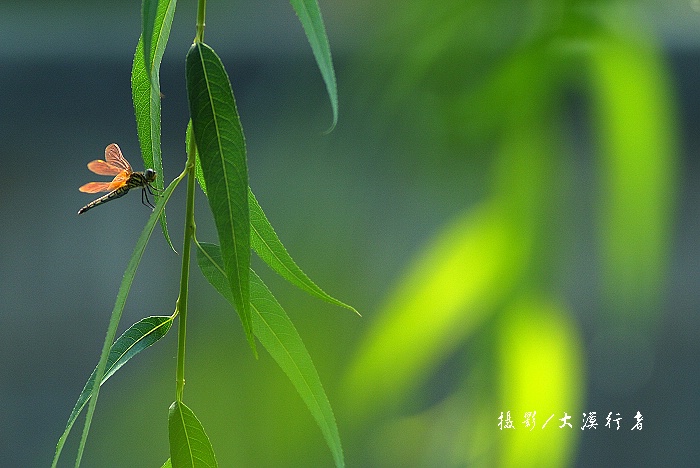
{"x":145,"y":87}
{"x":310,"y":17}
{"x":268,"y":246}
{"x":264,"y":240}
{"x":278,"y":335}
{"x":197,"y":163}
{"x":138,"y":337}
{"x":266,"y":243}
{"x":149,"y":11}
{"x":221,"y":148}
{"x":123,"y":293}
{"x":189,"y":444}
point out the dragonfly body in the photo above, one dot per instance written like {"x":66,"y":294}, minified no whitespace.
{"x":125,"y":179}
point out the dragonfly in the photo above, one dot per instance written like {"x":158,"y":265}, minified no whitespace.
{"x":125,"y":179}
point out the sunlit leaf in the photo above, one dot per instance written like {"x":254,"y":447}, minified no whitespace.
{"x":639,"y":161}
{"x":167,"y":464}
{"x":221,"y":148}
{"x":446,"y":293}
{"x":189,"y":444}
{"x":145,"y":86}
{"x":278,"y":335}
{"x":541,"y":372}
{"x":138,"y":337}
{"x":310,"y":17}
{"x":123,"y":293}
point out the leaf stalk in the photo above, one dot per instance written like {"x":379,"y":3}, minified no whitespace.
{"x":181,"y":306}
{"x":201,"y":13}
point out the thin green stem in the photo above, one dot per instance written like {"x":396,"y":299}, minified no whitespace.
{"x":190,"y":227}
{"x":181,"y":307}
{"x":201,"y":13}
{"x":117,"y":312}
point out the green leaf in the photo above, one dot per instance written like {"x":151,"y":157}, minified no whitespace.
{"x":278,"y":335}
{"x":268,"y":246}
{"x":221,"y":148}
{"x":123,"y":293}
{"x":637,"y":132}
{"x":145,"y":86}
{"x":149,"y":11}
{"x":197,"y":163}
{"x":167,"y":464}
{"x":138,"y":337}
{"x":446,"y":294}
{"x":189,"y":444}
{"x":545,"y":371}
{"x":310,"y":17}
{"x":264,"y":240}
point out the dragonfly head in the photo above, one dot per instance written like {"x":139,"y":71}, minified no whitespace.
{"x":150,"y":175}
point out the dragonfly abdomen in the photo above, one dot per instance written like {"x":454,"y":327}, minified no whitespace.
{"x":120,"y":192}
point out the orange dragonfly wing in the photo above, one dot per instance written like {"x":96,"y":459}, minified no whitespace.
{"x":94,"y":187}
{"x":114,"y":157}
{"x":101,"y":167}
{"x":115,"y":164}
{"x":120,"y":180}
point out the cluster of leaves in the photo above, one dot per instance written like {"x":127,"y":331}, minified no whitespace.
{"x":217,"y":159}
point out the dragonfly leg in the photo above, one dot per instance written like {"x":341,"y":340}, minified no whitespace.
{"x":152,"y":189}
{"x":144,"y":195}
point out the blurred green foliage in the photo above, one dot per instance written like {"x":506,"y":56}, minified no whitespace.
{"x":499,"y":82}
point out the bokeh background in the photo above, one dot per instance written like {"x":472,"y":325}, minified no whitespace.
{"x":510,"y":199}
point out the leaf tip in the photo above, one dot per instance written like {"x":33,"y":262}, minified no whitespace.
{"x":254,"y":348}
{"x":333,"y":124}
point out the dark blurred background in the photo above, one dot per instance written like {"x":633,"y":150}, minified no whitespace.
{"x":509,"y":199}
